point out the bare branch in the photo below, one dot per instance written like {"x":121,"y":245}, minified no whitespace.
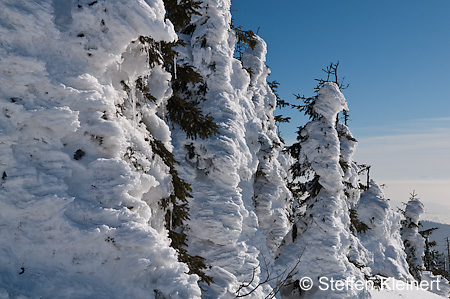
{"x":285,"y":281}
{"x":268,"y":279}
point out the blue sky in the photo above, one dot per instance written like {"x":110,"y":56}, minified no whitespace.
{"x":395,"y":56}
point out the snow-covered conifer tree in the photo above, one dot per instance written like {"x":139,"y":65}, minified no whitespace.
{"x":431,"y":256}
{"x":414,"y":242}
{"x":140,"y":159}
{"x":80,"y":198}
{"x":321,"y":244}
{"x":371,"y":218}
{"x":382,"y":236}
{"x":228,"y":172}
{"x":271,"y":195}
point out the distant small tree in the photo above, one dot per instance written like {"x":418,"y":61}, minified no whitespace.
{"x":413,"y":241}
{"x":433,"y":260}
{"x":429,"y":256}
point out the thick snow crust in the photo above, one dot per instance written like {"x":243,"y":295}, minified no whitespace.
{"x":438,"y":284}
{"x":80,"y":192}
{"x":323,"y":244}
{"x":414,"y":242}
{"x":79,"y":201}
{"x":238,"y":209}
{"x":383,"y":238}
{"x":330,"y":101}
{"x":77,"y":219}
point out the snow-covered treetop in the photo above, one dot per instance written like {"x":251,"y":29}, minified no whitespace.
{"x":330,"y":101}
{"x":414,"y":208}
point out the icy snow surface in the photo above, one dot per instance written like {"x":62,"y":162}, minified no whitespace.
{"x":330,"y":101}
{"x":75,"y":215}
{"x":383,"y":238}
{"x":81,"y":185}
{"x":414,"y":242}
{"x":323,"y":244}
{"x":397,"y":290}
{"x":225,"y":226}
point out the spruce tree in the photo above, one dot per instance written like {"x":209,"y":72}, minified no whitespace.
{"x":413,"y":241}
{"x":433,"y":260}
{"x":182,"y":110}
{"x":301,"y":168}
{"x":383,"y":238}
{"x":318,"y":181}
{"x":271,"y":197}
{"x":231,"y":173}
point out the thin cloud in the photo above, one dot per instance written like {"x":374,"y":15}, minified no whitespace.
{"x":436,"y":119}
{"x":438,"y":125}
{"x":407,"y":157}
